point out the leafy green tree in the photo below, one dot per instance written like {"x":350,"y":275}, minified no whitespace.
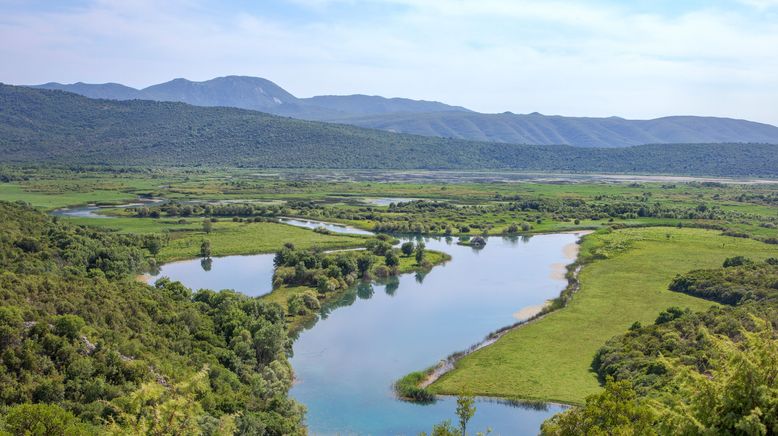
{"x":43,"y":420}
{"x":465,"y":411}
{"x":68,"y":326}
{"x":205,"y":248}
{"x":364,"y":263}
{"x":741,"y":397}
{"x":736,"y":261}
{"x":391,"y":259}
{"x":615,"y":411}
{"x":407,"y":248}
{"x":207,"y":226}
{"x":670,"y":314}
{"x":420,"y":247}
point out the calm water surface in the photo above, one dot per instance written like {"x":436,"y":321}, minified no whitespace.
{"x":346,"y":363}
{"x":81,"y":212}
{"x":251,"y":275}
{"x":386,"y":201}
{"x":334,"y":228}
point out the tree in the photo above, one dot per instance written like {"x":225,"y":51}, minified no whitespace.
{"x":615,"y":411}
{"x":407,"y":248}
{"x":68,"y":326}
{"x":153,"y":244}
{"x":740,"y":397}
{"x":737,"y":261}
{"x":420,"y":252}
{"x":391,"y":259}
{"x":465,"y":411}
{"x":205,"y":248}
{"x":43,"y":420}
{"x":207,"y":226}
{"x":364,"y":263}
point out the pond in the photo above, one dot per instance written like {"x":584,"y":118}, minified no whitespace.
{"x":81,"y":212}
{"x":91,"y":211}
{"x":334,"y":228}
{"x":251,"y":275}
{"x":346,"y":362}
{"x":386,"y":201}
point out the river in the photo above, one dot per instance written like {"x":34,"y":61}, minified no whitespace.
{"x":346,"y":362}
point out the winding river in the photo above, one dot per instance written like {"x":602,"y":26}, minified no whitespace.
{"x":346,"y":362}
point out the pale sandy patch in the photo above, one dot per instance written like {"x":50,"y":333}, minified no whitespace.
{"x":558,"y":271}
{"x":570,"y":251}
{"x":529,"y":311}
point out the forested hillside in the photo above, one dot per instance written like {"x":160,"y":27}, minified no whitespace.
{"x":54,"y":126}
{"x":87,"y":349}
{"x":432,"y":118}
{"x":578,"y":131}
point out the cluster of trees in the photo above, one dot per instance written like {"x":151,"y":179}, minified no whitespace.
{"x":87,"y":349}
{"x":712,"y":372}
{"x":511,"y":215}
{"x":329,"y":272}
{"x":174,"y":209}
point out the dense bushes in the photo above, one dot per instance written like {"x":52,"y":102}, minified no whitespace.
{"x":91,"y":348}
{"x":693,"y":373}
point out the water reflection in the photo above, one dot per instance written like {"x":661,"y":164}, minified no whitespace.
{"x":370,"y":337}
{"x":347,"y":358}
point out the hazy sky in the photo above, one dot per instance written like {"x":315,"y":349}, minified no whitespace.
{"x":636,"y":59}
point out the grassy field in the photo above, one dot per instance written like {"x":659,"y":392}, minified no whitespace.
{"x":252,"y":238}
{"x":550,"y":358}
{"x":48,"y":200}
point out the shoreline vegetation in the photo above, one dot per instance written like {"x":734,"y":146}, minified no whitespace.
{"x":306,"y":281}
{"x":414,"y":386}
{"x":645,"y":232}
{"x":628,"y":269}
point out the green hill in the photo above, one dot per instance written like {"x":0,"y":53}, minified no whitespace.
{"x":430,"y":118}
{"x":44,"y":126}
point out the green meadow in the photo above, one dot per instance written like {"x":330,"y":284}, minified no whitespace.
{"x":549,"y":359}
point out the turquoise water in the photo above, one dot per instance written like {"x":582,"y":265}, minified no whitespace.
{"x":346,"y":362}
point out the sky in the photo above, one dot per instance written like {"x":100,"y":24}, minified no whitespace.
{"x":634,"y":59}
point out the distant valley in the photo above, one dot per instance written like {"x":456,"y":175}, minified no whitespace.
{"x":430,"y":118}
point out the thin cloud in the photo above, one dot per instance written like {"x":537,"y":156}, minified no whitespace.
{"x":581,"y":58}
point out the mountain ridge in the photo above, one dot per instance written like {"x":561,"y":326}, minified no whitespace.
{"x":48,"y":126}
{"x":431,"y":118}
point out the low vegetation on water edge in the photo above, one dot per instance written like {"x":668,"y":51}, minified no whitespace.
{"x":304,"y":280}
{"x":88,"y":344}
{"x":409,"y":388}
{"x":625,"y":280}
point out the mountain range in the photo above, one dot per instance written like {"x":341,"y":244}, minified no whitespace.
{"x":40,"y":126}
{"x":431,"y":118}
